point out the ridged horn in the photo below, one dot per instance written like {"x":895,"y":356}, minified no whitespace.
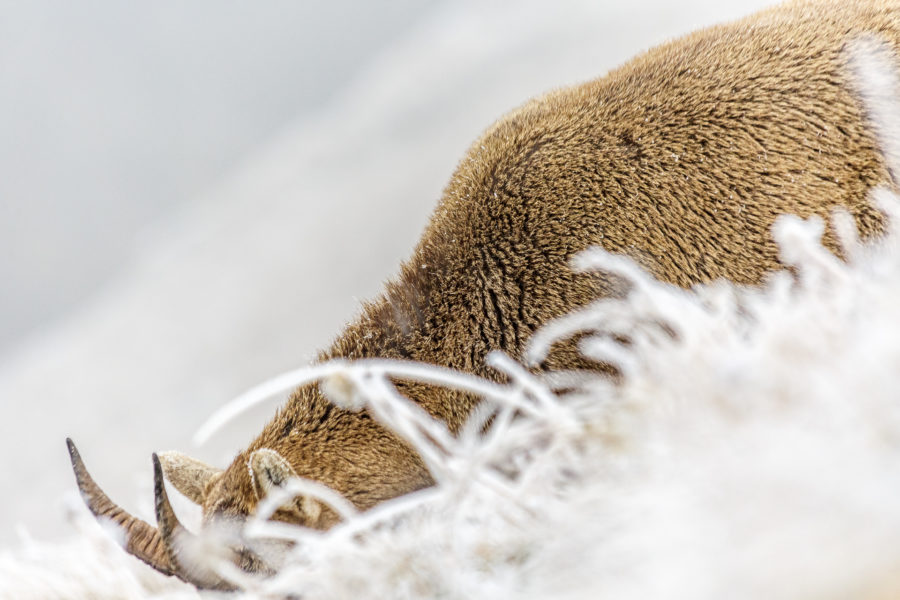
{"x":182,"y":548}
{"x":142,"y":540}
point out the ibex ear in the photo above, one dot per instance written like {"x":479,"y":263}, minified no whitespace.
{"x":270,"y":470}
{"x":189,"y":475}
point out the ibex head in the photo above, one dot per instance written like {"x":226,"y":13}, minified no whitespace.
{"x":227,"y":497}
{"x":360,"y":462}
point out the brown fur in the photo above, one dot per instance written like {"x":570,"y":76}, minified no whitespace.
{"x":682,"y":159}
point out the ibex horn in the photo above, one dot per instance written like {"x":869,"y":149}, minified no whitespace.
{"x":141,"y":539}
{"x":181,"y":546}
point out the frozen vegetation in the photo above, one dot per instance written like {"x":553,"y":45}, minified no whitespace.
{"x":750,"y":451}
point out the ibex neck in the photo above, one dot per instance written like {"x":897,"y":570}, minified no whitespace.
{"x":407,"y":321}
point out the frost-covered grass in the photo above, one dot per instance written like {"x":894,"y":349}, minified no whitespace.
{"x":90,"y":565}
{"x":751,"y":450}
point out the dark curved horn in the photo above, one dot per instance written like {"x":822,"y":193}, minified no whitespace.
{"x":141,"y":539}
{"x":181,"y":546}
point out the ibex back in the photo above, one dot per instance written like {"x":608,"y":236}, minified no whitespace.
{"x":682,"y":159}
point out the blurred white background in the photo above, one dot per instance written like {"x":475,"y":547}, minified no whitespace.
{"x":195,"y":196}
{"x":113,"y":114}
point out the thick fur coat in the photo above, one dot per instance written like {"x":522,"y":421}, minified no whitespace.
{"x":681,"y":159}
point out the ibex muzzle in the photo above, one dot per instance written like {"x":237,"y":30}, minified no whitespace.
{"x":681,"y":159}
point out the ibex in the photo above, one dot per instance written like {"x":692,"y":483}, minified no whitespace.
{"x":682,"y":159}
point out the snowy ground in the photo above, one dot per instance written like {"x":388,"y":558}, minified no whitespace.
{"x":264,"y":268}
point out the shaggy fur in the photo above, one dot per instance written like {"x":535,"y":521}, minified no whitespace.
{"x":682,"y":159}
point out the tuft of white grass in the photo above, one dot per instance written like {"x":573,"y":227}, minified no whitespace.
{"x":90,"y":565}
{"x":750,"y":450}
